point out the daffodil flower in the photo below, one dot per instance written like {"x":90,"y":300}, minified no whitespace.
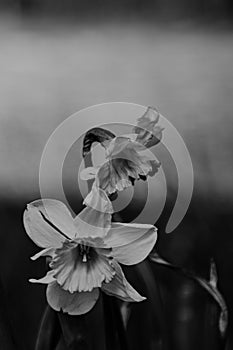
{"x":149,"y":133}
{"x":85,"y":260}
{"x":124,"y":164}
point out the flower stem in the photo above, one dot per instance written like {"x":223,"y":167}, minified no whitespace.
{"x":6,"y":337}
{"x":115,"y":333}
{"x":74,"y":331}
{"x":49,"y":332}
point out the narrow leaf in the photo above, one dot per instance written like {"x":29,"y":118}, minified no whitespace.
{"x":125,"y":312}
{"x":209,"y":286}
{"x":213,"y":274}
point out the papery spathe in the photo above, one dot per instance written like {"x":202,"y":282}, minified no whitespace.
{"x":149,"y":133}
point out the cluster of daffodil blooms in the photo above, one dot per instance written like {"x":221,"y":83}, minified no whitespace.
{"x":86,"y":251}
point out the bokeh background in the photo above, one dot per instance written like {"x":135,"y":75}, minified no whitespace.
{"x":58,"y":57}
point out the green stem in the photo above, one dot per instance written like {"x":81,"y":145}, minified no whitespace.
{"x":6,"y":335}
{"x":49,"y":332}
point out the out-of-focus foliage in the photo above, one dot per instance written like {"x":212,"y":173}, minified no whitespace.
{"x":171,"y":8}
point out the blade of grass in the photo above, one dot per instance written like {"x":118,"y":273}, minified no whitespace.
{"x":114,"y":325}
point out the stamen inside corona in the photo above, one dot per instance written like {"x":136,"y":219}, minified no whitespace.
{"x":84,"y":252}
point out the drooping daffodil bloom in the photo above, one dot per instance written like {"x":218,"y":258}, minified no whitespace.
{"x":148,"y":130}
{"x":85,"y":254}
{"x":124,"y":164}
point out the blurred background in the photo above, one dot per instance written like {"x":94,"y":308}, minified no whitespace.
{"x":58,"y":57}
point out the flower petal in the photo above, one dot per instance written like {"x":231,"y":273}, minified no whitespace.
{"x":44,"y":252}
{"x":117,"y":145}
{"x":40,"y":230}
{"x":122,"y":234}
{"x":114,"y":175}
{"x":136,"y":251}
{"x":88,"y":173}
{"x":94,"y":220}
{"x":120,"y":287}
{"x":73,"y":303}
{"x":97,"y":199}
{"x":92,"y":223}
{"x":58,"y":214}
{"x":75,"y":275}
{"x":48,"y":278}
{"x":125,"y":165}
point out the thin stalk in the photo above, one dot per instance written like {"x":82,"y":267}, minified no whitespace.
{"x":109,"y":323}
{"x":7,"y":340}
{"x":115,"y":333}
{"x":154,"y":294}
{"x":112,"y":317}
{"x":74,"y":331}
{"x":120,"y":326}
{"x":49,"y":332}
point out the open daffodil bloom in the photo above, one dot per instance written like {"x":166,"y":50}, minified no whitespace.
{"x":85,"y":255}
